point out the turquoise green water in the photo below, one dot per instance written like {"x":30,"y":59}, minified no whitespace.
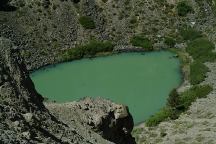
{"x":141,"y":81}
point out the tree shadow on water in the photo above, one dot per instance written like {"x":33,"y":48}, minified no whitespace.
{"x":5,"y":6}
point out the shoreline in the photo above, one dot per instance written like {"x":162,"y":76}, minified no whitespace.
{"x":116,"y":52}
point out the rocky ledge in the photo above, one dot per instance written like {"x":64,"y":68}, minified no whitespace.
{"x":111,"y":121}
{"x":25,"y":119}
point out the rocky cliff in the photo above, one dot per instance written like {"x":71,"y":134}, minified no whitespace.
{"x":43,"y":29}
{"x":24,"y":118}
{"x":111,"y":121}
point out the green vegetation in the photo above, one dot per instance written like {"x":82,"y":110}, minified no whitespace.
{"x":5,"y":6}
{"x":179,"y":103}
{"x":104,"y":1}
{"x":127,"y":2}
{"x":141,"y":41}
{"x":198,"y":72}
{"x":201,"y":49}
{"x":87,"y":22}
{"x":133,"y":20}
{"x":76,"y":1}
{"x":173,"y":99}
{"x":160,"y":116}
{"x":88,"y":50}
{"x":183,"y":8}
{"x":189,"y":96}
{"x":169,"y":41}
{"x":212,"y":3}
{"x":171,"y":110}
{"x":189,"y":33}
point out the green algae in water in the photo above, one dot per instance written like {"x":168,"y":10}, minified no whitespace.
{"x":140,"y":81}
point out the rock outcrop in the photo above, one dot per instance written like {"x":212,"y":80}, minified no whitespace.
{"x":111,"y":121}
{"x":24,"y":118}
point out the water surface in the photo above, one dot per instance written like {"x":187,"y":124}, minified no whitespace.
{"x":141,"y":81}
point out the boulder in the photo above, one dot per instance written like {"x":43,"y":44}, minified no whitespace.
{"x":112,"y":121}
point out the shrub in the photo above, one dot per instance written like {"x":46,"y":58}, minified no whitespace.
{"x":201,"y":49}
{"x":141,"y":42}
{"x":190,"y":33}
{"x":46,"y":3}
{"x":171,"y":110}
{"x":173,"y":99}
{"x":104,"y":1}
{"x":160,"y":116}
{"x":76,"y":1}
{"x":90,"y":49}
{"x":87,"y":22}
{"x":183,"y":8}
{"x":94,"y":47}
{"x":194,"y":93}
{"x":127,"y":2}
{"x":185,"y":99}
{"x":75,"y":53}
{"x":198,"y":72}
{"x":133,"y":20}
{"x":5,"y":6}
{"x":169,"y":41}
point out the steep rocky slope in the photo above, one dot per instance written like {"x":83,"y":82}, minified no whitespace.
{"x":43,"y":29}
{"x":24,"y":118}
